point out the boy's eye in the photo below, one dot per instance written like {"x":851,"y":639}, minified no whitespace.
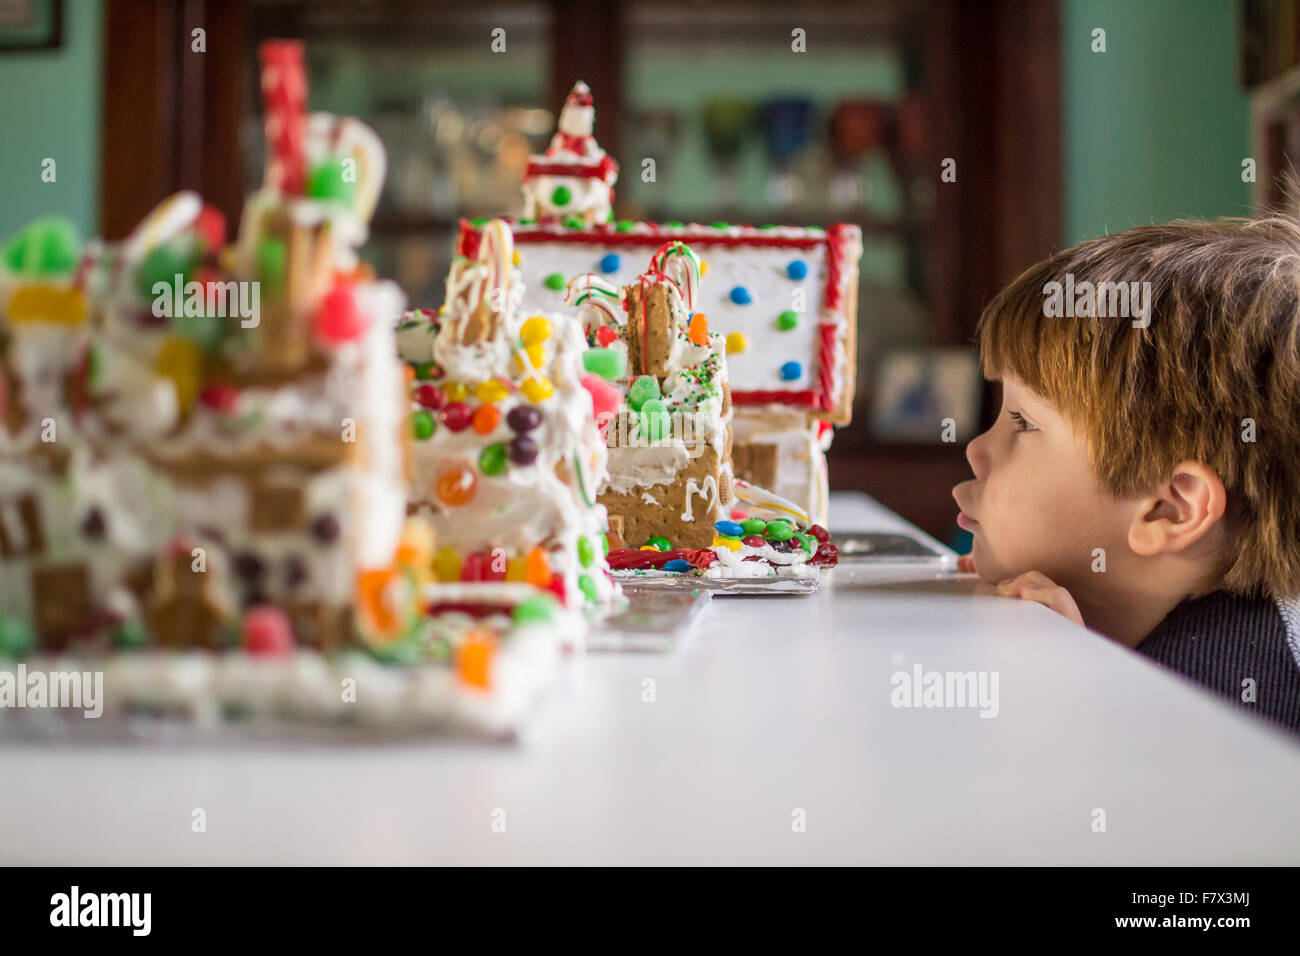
{"x":1021,"y":424}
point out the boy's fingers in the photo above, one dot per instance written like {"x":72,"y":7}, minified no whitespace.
{"x":966,"y":564}
{"x":1030,"y":579}
{"x":1054,"y":599}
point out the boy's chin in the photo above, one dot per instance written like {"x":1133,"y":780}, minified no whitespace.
{"x":989,"y":570}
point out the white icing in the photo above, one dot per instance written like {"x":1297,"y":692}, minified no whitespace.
{"x":706,"y":489}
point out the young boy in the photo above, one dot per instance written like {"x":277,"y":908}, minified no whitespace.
{"x":1143,"y":475}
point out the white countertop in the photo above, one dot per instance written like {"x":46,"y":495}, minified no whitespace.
{"x":776,"y":704}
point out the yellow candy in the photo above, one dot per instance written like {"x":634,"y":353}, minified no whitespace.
{"x":536,"y":330}
{"x":537,"y":389}
{"x":536,"y":355}
{"x":447,"y":564}
{"x":46,"y":303}
{"x":721,"y":542}
{"x":736,"y":342}
{"x":516,"y":257}
{"x":456,"y":391}
{"x":647,"y":547}
{"x":491,"y":391}
{"x":182,"y":362}
{"x":516,"y":569}
{"x":704,"y":268}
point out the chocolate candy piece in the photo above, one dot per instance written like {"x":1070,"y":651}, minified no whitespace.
{"x":523,"y":418}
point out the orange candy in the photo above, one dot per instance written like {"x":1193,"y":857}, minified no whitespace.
{"x":455,"y":486}
{"x":474,"y":659}
{"x":537,"y":568}
{"x":486,"y":419}
{"x":699,"y":330}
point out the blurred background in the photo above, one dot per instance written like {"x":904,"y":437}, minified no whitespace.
{"x":1065,"y":119}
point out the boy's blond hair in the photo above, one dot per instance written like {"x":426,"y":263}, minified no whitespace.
{"x":1217,"y":366}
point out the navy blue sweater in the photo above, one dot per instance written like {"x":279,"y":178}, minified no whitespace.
{"x":1221,"y":640}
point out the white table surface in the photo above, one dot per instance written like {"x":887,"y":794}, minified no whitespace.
{"x":775,"y":704}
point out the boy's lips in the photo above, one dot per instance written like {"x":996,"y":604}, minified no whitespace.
{"x":966,"y":522}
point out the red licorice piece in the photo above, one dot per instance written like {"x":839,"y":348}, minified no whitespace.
{"x":827,"y":556}
{"x":820,"y":533}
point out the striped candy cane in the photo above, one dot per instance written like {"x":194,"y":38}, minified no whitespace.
{"x":591,"y":291}
{"x":678,"y":261}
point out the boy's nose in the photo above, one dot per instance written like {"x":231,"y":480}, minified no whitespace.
{"x":976,"y":454}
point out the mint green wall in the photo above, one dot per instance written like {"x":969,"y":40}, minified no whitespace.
{"x":51,"y":108}
{"x":1157,"y":126}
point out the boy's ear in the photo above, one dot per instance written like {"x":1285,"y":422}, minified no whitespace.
{"x":1179,"y":512}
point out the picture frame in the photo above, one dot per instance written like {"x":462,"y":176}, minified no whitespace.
{"x":918,"y":390}
{"x":30,"y":25}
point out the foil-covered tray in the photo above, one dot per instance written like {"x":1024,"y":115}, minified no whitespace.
{"x":633,"y":581}
{"x":654,"y":620}
{"x":861,"y":547}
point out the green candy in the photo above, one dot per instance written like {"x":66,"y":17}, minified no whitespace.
{"x":424,"y":371}
{"x":660,"y":543}
{"x":673,"y":225}
{"x":554,"y":281}
{"x":527,"y":222}
{"x":16,"y":637}
{"x":606,"y":363}
{"x":332,"y":181}
{"x":604,"y":545}
{"x":479,"y":222}
{"x":586,"y":552}
{"x":492,"y":459}
{"x":588,"y":587}
{"x":205,"y":331}
{"x":270,"y":259}
{"x":806,"y":541}
{"x":163,"y":264}
{"x":45,"y":247}
{"x":722,"y":225}
{"x":128,"y":635}
{"x":561,"y":196}
{"x":754,"y":525}
{"x":422,"y":425}
{"x":573,"y":222}
{"x":534,"y":610}
{"x":787,"y":320}
{"x":643,"y":389}
{"x":656,"y":424}
{"x":624,"y":225}
{"x":779,"y":530}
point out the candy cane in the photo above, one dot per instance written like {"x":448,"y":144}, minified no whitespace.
{"x":757,"y":497}
{"x":331,"y":135}
{"x":679,"y":261}
{"x":496,"y":251}
{"x":284,"y":99}
{"x":592,"y":291}
{"x":169,"y":218}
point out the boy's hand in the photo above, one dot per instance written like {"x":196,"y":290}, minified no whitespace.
{"x":1036,"y":586}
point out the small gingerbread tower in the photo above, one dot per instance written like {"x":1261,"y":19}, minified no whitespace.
{"x":574,"y":179}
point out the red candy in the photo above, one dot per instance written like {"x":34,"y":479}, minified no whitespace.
{"x":739,"y":514}
{"x":267,"y":631}
{"x":430,"y":396}
{"x":338,"y":320}
{"x":220,"y":396}
{"x":827,"y":556}
{"x":820,"y":533}
{"x":754,"y":541}
{"x":456,"y":416}
{"x":605,"y":398}
{"x":605,"y":336}
{"x":478,"y":567}
{"x":211,"y":225}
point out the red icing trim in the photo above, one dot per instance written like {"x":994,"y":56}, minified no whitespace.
{"x":805,"y":396}
{"x":630,"y":559}
{"x":598,"y":170}
{"x":826,"y":384}
{"x":604,"y":234}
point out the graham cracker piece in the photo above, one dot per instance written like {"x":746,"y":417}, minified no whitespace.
{"x":21,"y":532}
{"x":277,"y":506}
{"x":755,"y":462}
{"x":642,"y":520}
{"x":63,"y":602}
{"x":650,"y":329}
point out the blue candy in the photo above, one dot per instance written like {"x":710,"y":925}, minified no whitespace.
{"x":797,"y":269}
{"x":609,"y":263}
{"x":730,"y":528}
{"x":791,"y":371}
{"x":677,"y":565}
{"x":740,"y":295}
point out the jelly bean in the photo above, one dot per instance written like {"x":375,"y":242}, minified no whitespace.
{"x":267,"y":632}
{"x":332,"y":181}
{"x":523,"y":450}
{"x":659,"y":543}
{"x":490,"y":391}
{"x":606,"y":336}
{"x":606,"y":363}
{"x":422,"y":425}
{"x":555,"y":281}
{"x":515,"y":569}
{"x":537,"y":389}
{"x":820,"y":533}
{"x":736,"y":342}
{"x":539,"y":609}
{"x":523,"y":418}
{"x":753,"y":525}
{"x":740,"y":295}
{"x":219,"y":396}
{"x":588,"y":588}
{"x":704,"y":268}
{"x":797,"y":269}
{"x":456,"y":391}
{"x":456,"y":416}
{"x":779,"y":531}
{"x":515,"y":258}
{"x":729,"y":543}
{"x":486,"y":419}
{"x":699,"y":331}
{"x":492,"y":459}
{"x":535,"y":331}
{"x":537,"y":568}
{"x":787,"y":320}
{"x":474,"y":659}
{"x":609,"y":263}
{"x":642,"y":389}
{"x":561,"y":196}
{"x":729,"y":528}
{"x":536,"y":355}
{"x":430,"y":396}
{"x":586,"y":552}
{"x":791,"y":371}
{"x":677,"y":565}
{"x":456,"y":486}
{"x":754,"y":541}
